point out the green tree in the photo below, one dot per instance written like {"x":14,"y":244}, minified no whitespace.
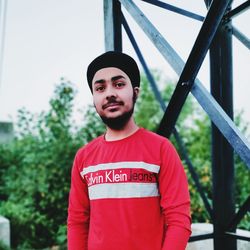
{"x":35,"y":172}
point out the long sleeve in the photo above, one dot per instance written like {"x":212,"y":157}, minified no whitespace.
{"x":78,"y":211}
{"x":175,"y":200}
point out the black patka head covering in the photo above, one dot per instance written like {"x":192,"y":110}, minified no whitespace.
{"x":118,"y":60}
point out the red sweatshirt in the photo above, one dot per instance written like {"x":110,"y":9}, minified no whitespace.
{"x":130,"y":194}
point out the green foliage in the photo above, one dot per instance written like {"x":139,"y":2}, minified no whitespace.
{"x":242,"y":176}
{"x":35,"y":167}
{"x":3,"y":246}
{"x":197,"y":141}
{"x":35,"y":172}
{"x":93,"y":126}
{"x":147,"y":110}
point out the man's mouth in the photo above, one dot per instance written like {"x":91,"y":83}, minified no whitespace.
{"x":112,"y":104}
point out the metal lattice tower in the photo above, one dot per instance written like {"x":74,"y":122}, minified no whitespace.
{"x":215,"y":35}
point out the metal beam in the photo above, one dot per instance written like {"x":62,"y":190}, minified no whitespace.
{"x":221,"y":85}
{"x":175,"y":9}
{"x":241,"y":37}
{"x":237,"y":236}
{"x":240,"y":214}
{"x":112,"y":25}
{"x":201,"y":237}
{"x":215,"y":112}
{"x":175,"y":132}
{"x":192,"y":66}
{"x":238,"y":10}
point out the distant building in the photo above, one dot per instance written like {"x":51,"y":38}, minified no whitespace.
{"x":6,"y":132}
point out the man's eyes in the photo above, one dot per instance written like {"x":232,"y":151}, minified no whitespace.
{"x":119,"y":84}
{"x":99,"y":88}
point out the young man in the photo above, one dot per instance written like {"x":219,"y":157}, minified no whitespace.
{"x":128,"y":186}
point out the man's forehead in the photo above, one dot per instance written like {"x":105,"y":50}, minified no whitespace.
{"x":110,"y":73}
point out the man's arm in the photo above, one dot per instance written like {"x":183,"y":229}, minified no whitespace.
{"x":78,"y":211}
{"x":175,"y":200}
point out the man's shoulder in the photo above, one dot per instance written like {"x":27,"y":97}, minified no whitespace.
{"x":153,"y":136}
{"x":154,"y":140}
{"x":87,"y":148}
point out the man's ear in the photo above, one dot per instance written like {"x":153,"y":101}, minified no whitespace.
{"x":136,"y":91}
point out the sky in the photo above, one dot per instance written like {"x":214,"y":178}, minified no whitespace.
{"x":48,"y":39}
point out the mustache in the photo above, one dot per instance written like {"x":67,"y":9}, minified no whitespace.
{"x":112,"y":102}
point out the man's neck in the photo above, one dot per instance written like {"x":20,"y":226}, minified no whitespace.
{"x":114,"y":135}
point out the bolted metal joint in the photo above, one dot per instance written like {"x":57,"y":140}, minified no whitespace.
{"x":187,"y":83}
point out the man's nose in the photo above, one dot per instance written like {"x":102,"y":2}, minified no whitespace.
{"x":110,"y":92}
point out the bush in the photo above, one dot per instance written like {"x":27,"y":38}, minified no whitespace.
{"x":3,"y":246}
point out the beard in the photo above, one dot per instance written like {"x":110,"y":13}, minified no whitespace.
{"x":119,"y":122}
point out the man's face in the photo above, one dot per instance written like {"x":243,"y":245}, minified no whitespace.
{"x":113,"y":96}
